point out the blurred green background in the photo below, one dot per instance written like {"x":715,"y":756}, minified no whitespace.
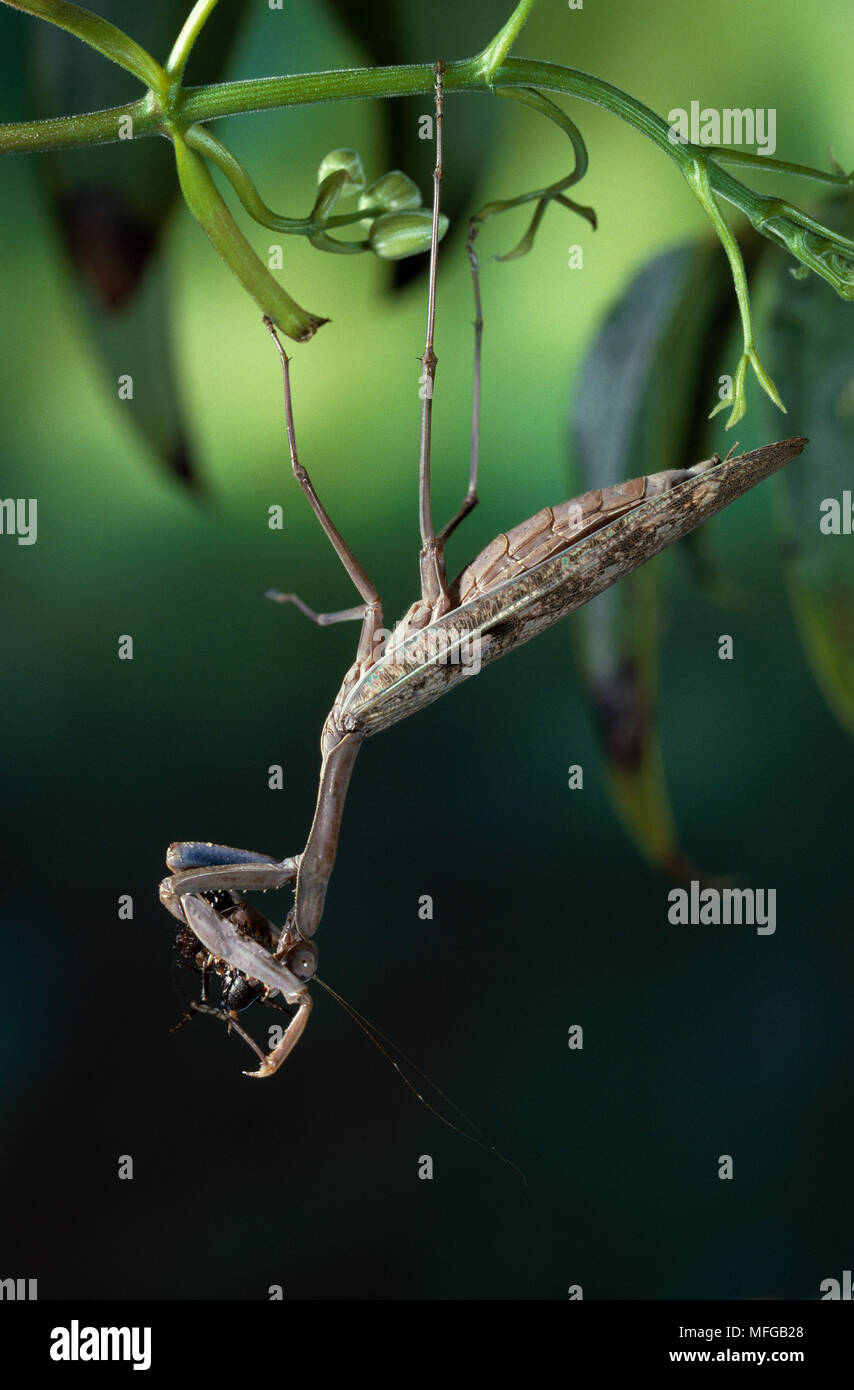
{"x":698,"y":1041}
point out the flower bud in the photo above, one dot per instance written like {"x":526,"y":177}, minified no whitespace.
{"x":348,"y":160}
{"x":395,"y":235}
{"x":394,"y":192}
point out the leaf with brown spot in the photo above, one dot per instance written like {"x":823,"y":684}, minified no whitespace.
{"x":642,"y":392}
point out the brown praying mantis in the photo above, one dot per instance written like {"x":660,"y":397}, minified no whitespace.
{"x":519,"y":585}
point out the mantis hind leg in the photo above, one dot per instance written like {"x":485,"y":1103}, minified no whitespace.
{"x":370,"y":612}
{"x":471,"y":499}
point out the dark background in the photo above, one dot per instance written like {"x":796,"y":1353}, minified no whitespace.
{"x":698,"y":1041}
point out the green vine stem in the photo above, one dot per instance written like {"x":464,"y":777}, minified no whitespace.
{"x":183,"y":45}
{"x":699,"y":181}
{"x":217,"y":100}
{"x":170,"y":110}
{"x":197,"y":104}
{"x":207,"y":144}
{"x":222,"y":99}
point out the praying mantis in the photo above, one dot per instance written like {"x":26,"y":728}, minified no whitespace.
{"x":520,"y":584}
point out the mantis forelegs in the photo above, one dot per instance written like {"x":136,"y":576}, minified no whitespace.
{"x":200,"y":866}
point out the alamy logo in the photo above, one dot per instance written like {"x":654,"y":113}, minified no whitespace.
{"x":19,"y":517}
{"x":16,"y":1290}
{"x":76,"y":1343}
{"x":837,"y":515}
{"x":730,"y":126}
{"x":724,"y":906}
{"x":450,"y":646}
{"x":836,"y":1289}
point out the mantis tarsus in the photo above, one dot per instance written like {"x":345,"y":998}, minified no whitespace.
{"x":521,"y":583}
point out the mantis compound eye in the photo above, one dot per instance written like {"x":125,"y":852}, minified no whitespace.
{"x":301,"y":960}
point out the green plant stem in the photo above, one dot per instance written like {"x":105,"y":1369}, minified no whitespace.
{"x":171,"y":116}
{"x":200,"y":139}
{"x":545,"y":107}
{"x":351,"y":84}
{"x":748,"y":159}
{"x":78,"y":132}
{"x":699,"y":182}
{"x":495,"y":53}
{"x":213,"y":149}
{"x":183,"y":45}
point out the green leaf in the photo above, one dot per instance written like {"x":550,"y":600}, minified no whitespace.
{"x":811,"y":333}
{"x":637,"y":405}
{"x":214,"y":216}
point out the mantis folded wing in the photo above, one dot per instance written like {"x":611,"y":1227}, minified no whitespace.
{"x":616,"y":531}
